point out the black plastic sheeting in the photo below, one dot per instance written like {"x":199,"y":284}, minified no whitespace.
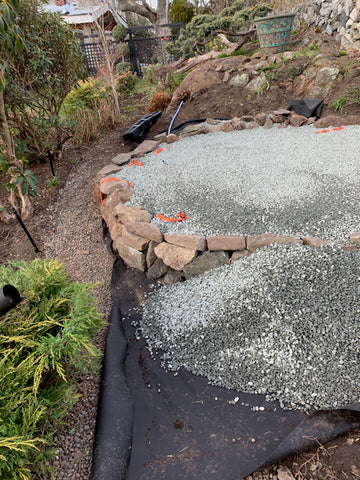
{"x":308,"y":107}
{"x":153,"y":424}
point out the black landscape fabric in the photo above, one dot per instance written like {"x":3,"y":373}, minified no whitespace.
{"x":307,"y":107}
{"x":155,"y":425}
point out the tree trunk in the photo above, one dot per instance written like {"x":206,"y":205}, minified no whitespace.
{"x":156,"y":17}
{"x":162,"y":14}
{"x":9,"y":152}
{"x":232,"y":47}
{"x":4,"y":216}
{"x":193,"y":62}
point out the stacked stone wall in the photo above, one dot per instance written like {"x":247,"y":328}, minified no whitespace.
{"x":175,"y":257}
{"x":338,"y":18}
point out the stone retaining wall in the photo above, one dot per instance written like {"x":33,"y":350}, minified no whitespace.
{"x":174,"y":257}
{"x":339,"y":18}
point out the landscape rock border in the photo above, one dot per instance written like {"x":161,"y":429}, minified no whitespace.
{"x":174,"y":257}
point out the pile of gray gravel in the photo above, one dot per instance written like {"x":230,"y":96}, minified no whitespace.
{"x":292,"y":181}
{"x":284,"y":322}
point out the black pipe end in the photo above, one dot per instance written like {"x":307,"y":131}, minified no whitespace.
{"x":12,"y":294}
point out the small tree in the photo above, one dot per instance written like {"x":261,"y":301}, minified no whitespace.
{"x":181,"y":11}
{"x":39,"y":80}
{"x":204,"y":28}
{"x":11,"y":47}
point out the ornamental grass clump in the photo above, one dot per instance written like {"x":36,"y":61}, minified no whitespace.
{"x":45,"y":343}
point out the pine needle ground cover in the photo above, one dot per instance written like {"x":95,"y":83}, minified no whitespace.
{"x":45,"y":343}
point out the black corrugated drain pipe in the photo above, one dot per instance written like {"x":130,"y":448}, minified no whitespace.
{"x":9,"y":298}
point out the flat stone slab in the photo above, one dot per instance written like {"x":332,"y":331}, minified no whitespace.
{"x":355,"y":237}
{"x":108,"y":170}
{"x":206,"y":261}
{"x":145,"y":147}
{"x":194,"y":242}
{"x":315,"y":241}
{"x":173,"y":256}
{"x":121,"y":158}
{"x":226,"y":242}
{"x":150,"y":231}
{"x":258,"y":241}
{"x":131,"y":214}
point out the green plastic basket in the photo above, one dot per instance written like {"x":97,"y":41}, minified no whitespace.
{"x":274,"y":32}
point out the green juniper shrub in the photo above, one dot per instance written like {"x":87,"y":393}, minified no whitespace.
{"x":123,"y":67}
{"x":126,"y":83}
{"x":86,"y":95}
{"x":45,"y":343}
{"x":119,"y":33}
{"x":204,"y":28}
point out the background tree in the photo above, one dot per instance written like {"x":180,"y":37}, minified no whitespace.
{"x":158,"y":16}
{"x":181,"y":11}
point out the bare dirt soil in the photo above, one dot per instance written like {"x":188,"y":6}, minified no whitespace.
{"x":66,"y":224}
{"x":226,"y":101}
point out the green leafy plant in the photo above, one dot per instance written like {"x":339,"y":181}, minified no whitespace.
{"x":237,"y":53}
{"x":86,"y":95}
{"x":27,"y":182}
{"x":51,"y":183}
{"x":123,"y":67}
{"x":222,"y":55}
{"x":119,"y":33}
{"x":261,"y":90}
{"x":181,"y":11}
{"x":40,"y":78}
{"x":126,"y":83}
{"x":45,"y":342}
{"x":351,"y":96}
{"x":342,"y":53}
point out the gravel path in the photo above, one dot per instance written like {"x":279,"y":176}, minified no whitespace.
{"x":292,"y":181}
{"x":77,"y":240}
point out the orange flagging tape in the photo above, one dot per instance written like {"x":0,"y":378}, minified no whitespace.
{"x":136,"y":162}
{"x":335,"y":129}
{"x":113,"y":179}
{"x":159,"y":150}
{"x":179,"y":217}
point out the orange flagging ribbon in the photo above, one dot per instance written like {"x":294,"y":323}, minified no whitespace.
{"x":136,"y":162}
{"x":113,"y":179}
{"x":179,"y":217}
{"x":159,"y":150}
{"x":335,"y":129}
{"x":117,"y":180}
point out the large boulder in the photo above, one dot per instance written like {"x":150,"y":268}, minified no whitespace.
{"x":200,"y":79}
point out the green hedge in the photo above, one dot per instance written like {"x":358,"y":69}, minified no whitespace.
{"x":44,"y":343}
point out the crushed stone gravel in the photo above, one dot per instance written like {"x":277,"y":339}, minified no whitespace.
{"x":292,"y":182}
{"x":76,"y":239}
{"x":282,"y":322}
